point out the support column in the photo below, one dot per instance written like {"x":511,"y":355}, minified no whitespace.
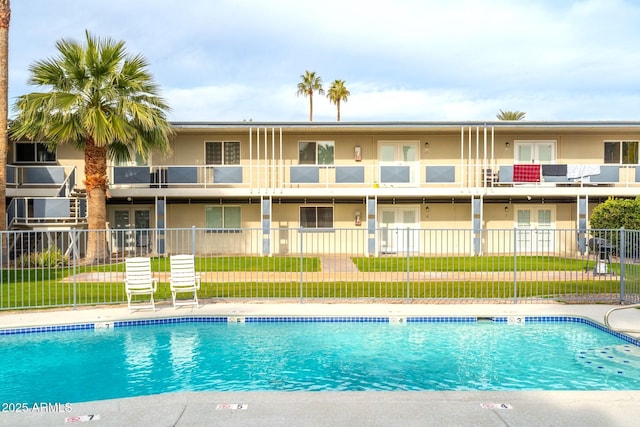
{"x":372,"y":247}
{"x":265,"y":209}
{"x":476,"y":215}
{"x":582,"y":212}
{"x":161,"y":225}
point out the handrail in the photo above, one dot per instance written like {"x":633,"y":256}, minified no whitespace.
{"x":68,"y":184}
{"x":606,"y":318}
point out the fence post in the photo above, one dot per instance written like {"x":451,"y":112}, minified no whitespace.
{"x":75,"y":261}
{"x":623,"y":257}
{"x":301,"y":266}
{"x":407,"y":246}
{"x":193,"y":240}
{"x":515,"y":265}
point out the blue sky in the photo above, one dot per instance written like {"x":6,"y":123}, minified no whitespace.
{"x":406,"y":60}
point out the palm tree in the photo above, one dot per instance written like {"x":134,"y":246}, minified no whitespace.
{"x":338,"y":92}
{"x":310,"y":83}
{"x":5,"y":18}
{"x":104,"y":102}
{"x":510,"y":115}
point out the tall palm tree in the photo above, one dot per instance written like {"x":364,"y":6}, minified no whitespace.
{"x":338,"y":92}
{"x":310,"y":83}
{"x":510,"y":115}
{"x":5,"y":18}
{"x":102,"y":100}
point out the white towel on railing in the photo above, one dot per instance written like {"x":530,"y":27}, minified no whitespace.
{"x":581,"y":171}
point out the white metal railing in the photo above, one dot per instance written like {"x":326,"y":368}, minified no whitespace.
{"x":53,"y":267}
{"x":611,"y":311}
{"x":424,"y":173}
{"x":44,"y":211}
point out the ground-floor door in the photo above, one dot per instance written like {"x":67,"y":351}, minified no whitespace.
{"x":536,"y":229}
{"x":400,"y":229}
{"x":131,"y":232}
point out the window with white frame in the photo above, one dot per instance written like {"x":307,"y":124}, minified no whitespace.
{"x":534,"y":151}
{"x":316,"y":217}
{"x":33,"y":152}
{"x":223,"y":217}
{"x":222,"y":152}
{"x":621,"y":152}
{"x":316,"y":152}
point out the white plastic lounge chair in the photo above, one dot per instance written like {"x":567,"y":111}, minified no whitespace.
{"x":184,"y":279}
{"x":140,"y":281}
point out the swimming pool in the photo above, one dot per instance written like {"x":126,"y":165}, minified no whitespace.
{"x":134,"y":358}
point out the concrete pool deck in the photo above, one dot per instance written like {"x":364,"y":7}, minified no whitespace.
{"x":449,"y":408}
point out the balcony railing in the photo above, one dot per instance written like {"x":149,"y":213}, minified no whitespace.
{"x":46,"y":211}
{"x":422,"y":174}
{"x":414,"y":175}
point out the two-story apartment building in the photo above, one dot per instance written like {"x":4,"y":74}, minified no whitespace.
{"x":380,"y":177}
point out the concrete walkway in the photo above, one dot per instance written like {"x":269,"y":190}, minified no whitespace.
{"x":429,"y":408}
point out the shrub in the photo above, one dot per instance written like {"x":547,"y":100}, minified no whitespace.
{"x":607,"y":218}
{"x":52,"y":257}
{"x":615,"y":213}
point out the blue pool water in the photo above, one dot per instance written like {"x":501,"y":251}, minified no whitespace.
{"x":84,"y":365}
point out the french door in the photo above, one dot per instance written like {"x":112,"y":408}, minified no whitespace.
{"x":131,"y":230}
{"x":535,"y":152}
{"x":400,"y":229}
{"x":535,"y":229}
{"x":399,"y":163}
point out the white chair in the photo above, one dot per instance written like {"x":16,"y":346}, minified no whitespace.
{"x":184,"y":279}
{"x":140,"y":281}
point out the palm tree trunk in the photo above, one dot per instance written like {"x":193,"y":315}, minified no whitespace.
{"x":95,"y":169}
{"x":311,"y":107}
{"x":5,"y":17}
{"x":338,"y":104}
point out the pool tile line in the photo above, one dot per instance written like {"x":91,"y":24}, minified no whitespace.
{"x":442,"y":319}
{"x":316,"y":319}
{"x":312,"y":319}
{"x":50,"y":328}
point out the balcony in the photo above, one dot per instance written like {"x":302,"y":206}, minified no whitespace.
{"x":433,"y":179}
{"x":46,"y":212}
{"x":40,"y":180}
{"x":409,"y":179}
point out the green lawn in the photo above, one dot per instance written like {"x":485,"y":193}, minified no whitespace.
{"x":55,"y":293}
{"x":254,"y":263}
{"x":45,"y":287}
{"x":418,"y":290}
{"x":470,"y":264}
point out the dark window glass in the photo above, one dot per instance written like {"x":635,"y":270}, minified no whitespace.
{"x":33,"y":152}
{"x":222,"y":153}
{"x":316,"y":217}
{"x":621,"y":152}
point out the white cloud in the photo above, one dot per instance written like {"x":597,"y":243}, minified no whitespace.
{"x":401,"y":59}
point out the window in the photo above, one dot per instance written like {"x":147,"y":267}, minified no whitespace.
{"x":222,"y":152}
{"x":223,"y":217}
{"x":316,"y":217}
{"x":535,"y":152}
{"x":31,"y":152}
{"x":135,"y":159}
{"x":624,"y":152}
{"x":316,"y":152}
